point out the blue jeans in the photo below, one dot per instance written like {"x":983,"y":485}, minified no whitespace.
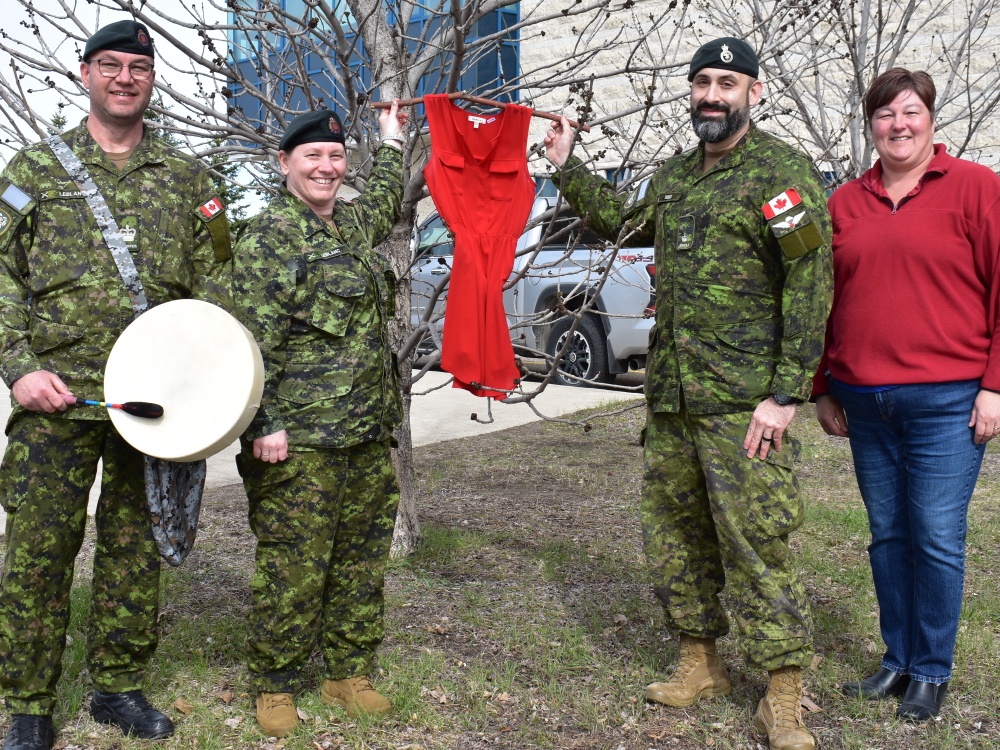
{"x":917,"y":466}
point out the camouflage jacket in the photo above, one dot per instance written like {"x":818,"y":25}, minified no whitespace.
{"x":318,"y":300}
{"x":741,"y":300}
{"x":62,"y":301}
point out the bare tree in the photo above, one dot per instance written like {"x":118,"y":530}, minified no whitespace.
{"x":231,"y":75}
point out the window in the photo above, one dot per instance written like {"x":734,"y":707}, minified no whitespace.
{"x":430,"y":8}
{"x":494,"y":65}
{"x":618,"y":176}
{"x":434,"y":240}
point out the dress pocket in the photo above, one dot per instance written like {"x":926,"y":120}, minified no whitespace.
{"x":452,"y":171}
{"x":503,"y":179}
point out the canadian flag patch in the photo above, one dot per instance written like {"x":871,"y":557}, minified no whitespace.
{"x":213,"y":207}
{"x":781,"y":203}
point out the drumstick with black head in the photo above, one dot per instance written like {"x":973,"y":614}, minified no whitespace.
{"x":143,"y":409}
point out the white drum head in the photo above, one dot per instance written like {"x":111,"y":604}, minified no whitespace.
{"x":196,"y":361}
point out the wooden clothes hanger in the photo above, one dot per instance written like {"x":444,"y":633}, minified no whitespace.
{"x":485,"y":102}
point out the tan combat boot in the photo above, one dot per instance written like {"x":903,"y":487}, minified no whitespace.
{"x":779,"y":713}
{"x":356,"y":695}
{"x":698,"y":674}
{"x":276,"y":714}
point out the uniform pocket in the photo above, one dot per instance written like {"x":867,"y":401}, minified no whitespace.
{"x":51,"y":267}
{"x":47,"y":336}
{"x":336,"y":290}
{"x":741,"y":358}
{"x":168,"y":246}
{"x":303,"y":385}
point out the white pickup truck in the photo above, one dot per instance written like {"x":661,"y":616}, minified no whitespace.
{"x":551,"y":279}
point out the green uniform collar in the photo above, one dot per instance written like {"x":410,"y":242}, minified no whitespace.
{"x":150,"y":150}
{"x":734,"y":158}
{"x":310,"y":222}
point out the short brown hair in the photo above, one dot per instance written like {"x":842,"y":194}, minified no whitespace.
{"x":894,"y":82}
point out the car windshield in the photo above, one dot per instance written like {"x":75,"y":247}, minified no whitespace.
{"x":434,"y":239}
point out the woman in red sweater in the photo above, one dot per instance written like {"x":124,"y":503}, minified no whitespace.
{"x":912,"y":368}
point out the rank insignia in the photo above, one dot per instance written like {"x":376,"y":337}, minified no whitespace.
{"x":685,"y":232}
{"x":780,"y":203}
{"x":129,"y":231}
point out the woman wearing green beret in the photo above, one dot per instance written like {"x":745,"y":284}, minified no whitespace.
{"x":316,"y":461}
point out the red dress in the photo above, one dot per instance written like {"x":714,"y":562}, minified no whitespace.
{"x":478,"y":177}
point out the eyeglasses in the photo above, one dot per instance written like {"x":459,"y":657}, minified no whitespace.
{"x":112,"y":68}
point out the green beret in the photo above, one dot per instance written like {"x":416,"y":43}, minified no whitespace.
{"x":121,"y":36}
{"x":313,"y":127}
{"x":727,"y":53}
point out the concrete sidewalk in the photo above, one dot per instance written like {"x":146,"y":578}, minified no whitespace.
{"x":439,"y":412}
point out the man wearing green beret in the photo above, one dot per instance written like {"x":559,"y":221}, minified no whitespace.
{"x":743,"y":289}
{"x":63,"y":303}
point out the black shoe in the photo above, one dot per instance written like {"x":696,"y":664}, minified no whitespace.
{"x":883,"y":684}
{"x":131,"y":712}
{"x":30,"y":733}
{"x":922,"y":701}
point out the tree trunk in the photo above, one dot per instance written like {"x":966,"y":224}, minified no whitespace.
{"x":406,"y":537}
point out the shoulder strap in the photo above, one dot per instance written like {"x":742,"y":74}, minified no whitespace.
{"x":437,"y":108}
{"x":109,"y":227}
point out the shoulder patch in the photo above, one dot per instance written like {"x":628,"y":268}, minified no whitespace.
{"x":6,"y":222}
{"x":213,"y":213}
{"x":780,"y":203}
{"x":15,"y":204}
{"x":796,"y":233}
{"x":213,"y":207}
{"x":15,"y":198}
{"x":638,"y":194}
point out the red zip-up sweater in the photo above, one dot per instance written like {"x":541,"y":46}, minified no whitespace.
{"x":916,"y":285}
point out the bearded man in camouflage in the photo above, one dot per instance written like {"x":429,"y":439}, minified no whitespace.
{"x":63,"y":304}
{"x":740,"y":230}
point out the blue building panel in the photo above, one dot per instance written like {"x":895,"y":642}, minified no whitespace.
{"x":496,"y":67}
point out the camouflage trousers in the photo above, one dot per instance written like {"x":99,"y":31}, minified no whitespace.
{"x":711,"y":516}
{"x":45,"y":481}
{"x":324,"y":522}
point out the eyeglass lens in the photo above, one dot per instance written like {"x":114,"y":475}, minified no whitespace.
{"x":111,"y":69}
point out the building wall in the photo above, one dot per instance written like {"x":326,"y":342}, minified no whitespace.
{"x":626,"y":52}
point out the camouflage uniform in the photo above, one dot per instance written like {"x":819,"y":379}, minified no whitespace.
{"x":318,"y":300}
{"x":741,"y":305}
{"x":63,"y":307}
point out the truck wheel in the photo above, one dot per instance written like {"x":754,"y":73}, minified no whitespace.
{"x":587,"y":356}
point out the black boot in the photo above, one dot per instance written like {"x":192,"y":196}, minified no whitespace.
{"x":30,"y":733}
{"x":882,"y":684}
{"x":131,"y":712}
{"x":922,"y":701}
